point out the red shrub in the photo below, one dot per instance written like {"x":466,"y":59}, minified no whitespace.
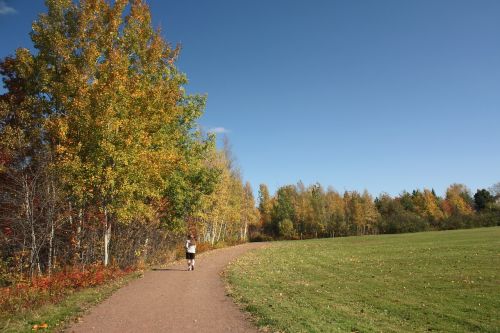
{"x":50,"y":289}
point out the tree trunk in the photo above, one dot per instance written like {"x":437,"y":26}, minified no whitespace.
{"x":220,"y":231}
{"x":34,"y":254}
{"x":206,"y":231}
{"x":145,"y":254}
{"x":31,"y":223}
{"x":245,"y":231}
{"x":51,"y":246}
{"x":79,"y":235}
{"x":51,"y":214}
{"x":107,"y":237}
{"x":223,"y":233}
{"x":214,"y":233}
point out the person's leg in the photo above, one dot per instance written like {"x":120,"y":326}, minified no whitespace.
{"x":192,"y":264}
{"x":189,"y":264}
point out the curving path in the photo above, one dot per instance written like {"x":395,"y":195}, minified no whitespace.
{"x":173,"y":300}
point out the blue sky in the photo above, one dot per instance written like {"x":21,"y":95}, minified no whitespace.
{"x":384,"y":95}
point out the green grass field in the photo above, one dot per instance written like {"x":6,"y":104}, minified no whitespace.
{"x":426,"y":282}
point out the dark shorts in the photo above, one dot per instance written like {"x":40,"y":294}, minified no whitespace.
{"x":189,"y":256}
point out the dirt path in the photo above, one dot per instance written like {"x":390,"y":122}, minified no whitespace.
{"x":173,"y":300}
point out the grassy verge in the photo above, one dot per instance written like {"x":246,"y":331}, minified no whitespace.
{"x":56,"y":316}
{"x":425,"y":282}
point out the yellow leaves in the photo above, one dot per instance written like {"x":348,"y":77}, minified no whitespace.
{"x":118,"y":120}
{"x":431,"y":206}
{"x":455,"y":197}
{"x":60,"y":149}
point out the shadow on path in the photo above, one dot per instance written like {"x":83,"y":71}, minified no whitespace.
{"x":170,"y":269}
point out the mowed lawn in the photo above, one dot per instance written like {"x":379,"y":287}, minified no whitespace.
{"x":445,"y":281}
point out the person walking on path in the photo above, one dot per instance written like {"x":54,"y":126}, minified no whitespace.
{"x":190,"y":252}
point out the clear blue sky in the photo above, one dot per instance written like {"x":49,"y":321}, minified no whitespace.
{"x":384,"y":95}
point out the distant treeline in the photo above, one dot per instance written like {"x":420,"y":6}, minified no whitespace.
{"x":297,"y":211}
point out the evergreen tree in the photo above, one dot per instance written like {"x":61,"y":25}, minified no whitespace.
{"x":483,"y":199}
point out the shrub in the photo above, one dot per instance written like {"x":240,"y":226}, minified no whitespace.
{"x":259,"y":237}
{"x":49,"y":289}
{"x":286,"y":229}
{"x":401,"y":222}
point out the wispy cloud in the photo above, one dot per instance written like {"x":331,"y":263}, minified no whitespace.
{"x":5,"y":9}
{"x":218,"y":130}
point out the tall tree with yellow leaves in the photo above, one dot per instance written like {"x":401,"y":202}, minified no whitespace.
{"x":249,"y":213}
{"x":116,"y":117}
{"x":432,"y":211}
{"x":335,"y":208}
{"x":265,"y":208}
{"x":458,"y":201}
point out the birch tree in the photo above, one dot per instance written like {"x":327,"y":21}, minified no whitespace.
{"x":109,"y":106}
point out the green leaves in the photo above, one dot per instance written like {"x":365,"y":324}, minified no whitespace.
{"x":102,"y":96}
{"x":124,"y":122}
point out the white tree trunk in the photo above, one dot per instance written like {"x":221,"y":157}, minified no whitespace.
{"x":51,"y":214}
{"x":107,"y":237}
{"x":206,"y":232}
{"x":213,"y":232}
{"x":79,"y":235}
{"x":34,"y":252}
{"x":221,"y":228}
{"x":51,"y":246}
{"x":245,"y":231}
{"x":145,"y":254}
{"x":29,"y":219}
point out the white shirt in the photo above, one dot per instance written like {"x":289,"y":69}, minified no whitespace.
{"x":190,"y":247}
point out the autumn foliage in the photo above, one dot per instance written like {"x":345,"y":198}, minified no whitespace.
{"x":298,"y":212}
{"x":103,"y":164}
{"x":102,"y":159}
{"x":48,"y":289}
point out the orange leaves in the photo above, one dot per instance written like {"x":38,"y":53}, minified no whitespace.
{"x":458,"y":198}
{"x":37,"y":327}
